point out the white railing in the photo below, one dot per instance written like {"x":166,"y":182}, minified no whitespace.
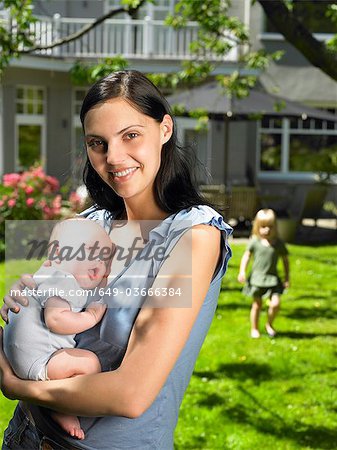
{"x":148,"y":39}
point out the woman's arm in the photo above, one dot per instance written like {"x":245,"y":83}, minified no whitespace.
{"x":156,"y":342}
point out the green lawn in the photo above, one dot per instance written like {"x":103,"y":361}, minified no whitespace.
{"x":275,"y":394}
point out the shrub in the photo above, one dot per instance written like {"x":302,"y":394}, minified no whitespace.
{"x":33,"y":195}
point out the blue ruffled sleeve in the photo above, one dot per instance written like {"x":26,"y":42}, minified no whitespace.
{"x":171,"y":229}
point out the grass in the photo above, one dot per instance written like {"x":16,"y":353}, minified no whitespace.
{"x":267,"y":393}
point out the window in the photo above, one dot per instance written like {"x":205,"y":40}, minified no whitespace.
{"x":271,"y":151}
{"x":30,"y":126}
{"x":312,"y":15}
{"x":29,"y":100}
{"x":296,"y":145}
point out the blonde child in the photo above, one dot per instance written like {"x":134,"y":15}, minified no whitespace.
{"x":264,"y":281}
{"x":40,"y":341}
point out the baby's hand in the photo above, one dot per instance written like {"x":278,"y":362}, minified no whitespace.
{"x":241,"y":277}
{"x":97,"y":310}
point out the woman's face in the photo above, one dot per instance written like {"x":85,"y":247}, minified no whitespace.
{"x":124,"y":147}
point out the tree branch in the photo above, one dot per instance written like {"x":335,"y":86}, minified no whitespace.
{"x":85,"y":29}
{"x":286,"y":22}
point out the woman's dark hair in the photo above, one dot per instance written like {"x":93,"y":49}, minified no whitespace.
{"x":175,"y":185}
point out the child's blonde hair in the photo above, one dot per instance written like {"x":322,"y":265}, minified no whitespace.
{"x":265,"y":218}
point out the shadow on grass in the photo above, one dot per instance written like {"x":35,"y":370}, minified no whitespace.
{"x":225,"y":288}
{"x":303,"y":335}
{"x":211,"y":401}
{"x":328,"y":259}
{"x":310,"y":297}
{"x":311,"y":313}
{"x":232,"y":306}
{"x":239,"y":371}
{"x":269,"y":422}
{"x":315,"y":436}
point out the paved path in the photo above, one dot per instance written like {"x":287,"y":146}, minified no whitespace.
{"x":325,"y":232}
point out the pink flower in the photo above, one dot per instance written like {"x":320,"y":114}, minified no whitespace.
{"x":57,"y":202}
{"x":42,"y":203}
{"x":29,"y":190}
{"x":11,"y":202}
{"x":38,"y":172}
{"x":1,"y":203}
{"x":11,"y":179}
{"x":53,"y":183}
{"x":30,"y":201}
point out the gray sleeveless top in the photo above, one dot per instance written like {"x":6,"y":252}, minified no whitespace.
{"x":154,"y":429}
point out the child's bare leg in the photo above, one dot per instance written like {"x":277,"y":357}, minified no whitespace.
{"x":67,"y":363}
{"x":274,"y":307}
{"x":254,"y":317}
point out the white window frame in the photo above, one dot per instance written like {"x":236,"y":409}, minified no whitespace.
{"x":285,"y":131}
{"x":31,"y":119}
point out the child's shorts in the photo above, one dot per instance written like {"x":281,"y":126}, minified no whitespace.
{"x":262,"y":292}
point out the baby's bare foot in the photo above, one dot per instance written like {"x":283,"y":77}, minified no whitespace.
{"x":70,"y":424}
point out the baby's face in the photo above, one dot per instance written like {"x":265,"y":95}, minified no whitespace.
{"x":88,"y":273}
{"x":85,"y":254}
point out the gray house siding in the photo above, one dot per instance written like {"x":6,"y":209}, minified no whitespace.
{"x":59,"y":133}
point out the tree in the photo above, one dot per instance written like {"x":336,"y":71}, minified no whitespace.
{"x":287,"y":19}
{"x":218,"y":33}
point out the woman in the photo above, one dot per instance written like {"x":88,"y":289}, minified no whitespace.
{"x":135,"y":171}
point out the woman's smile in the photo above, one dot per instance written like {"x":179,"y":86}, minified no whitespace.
{"x":122,"y":175}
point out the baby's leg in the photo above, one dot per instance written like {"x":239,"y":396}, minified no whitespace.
{"x":67,"y":363}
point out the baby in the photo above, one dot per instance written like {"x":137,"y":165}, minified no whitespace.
{"x":39,"y":342}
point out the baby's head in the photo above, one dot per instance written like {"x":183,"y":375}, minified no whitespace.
{"x":83,"y":248}
{"x":264,"y":225}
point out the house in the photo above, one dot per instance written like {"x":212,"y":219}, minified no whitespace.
{"x":39,"y":118}
{"x":39,"y":106}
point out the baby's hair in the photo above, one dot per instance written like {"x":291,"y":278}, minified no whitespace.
{"x":59,"y":225}
{"x":265,"y":218}
{"x":62,"y":233}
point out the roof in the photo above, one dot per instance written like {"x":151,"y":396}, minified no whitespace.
{"x":212,"y":98}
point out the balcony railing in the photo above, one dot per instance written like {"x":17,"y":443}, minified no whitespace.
{"x":143,"y":39}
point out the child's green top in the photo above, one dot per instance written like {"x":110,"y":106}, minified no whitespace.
{"x":264,"y":269}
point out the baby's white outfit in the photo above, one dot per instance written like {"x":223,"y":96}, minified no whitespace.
{"x":28,"y":343}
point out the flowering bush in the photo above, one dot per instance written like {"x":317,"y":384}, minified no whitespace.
{"x":33,"y":195}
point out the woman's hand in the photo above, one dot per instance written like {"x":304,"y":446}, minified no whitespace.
{"x":15,"y":297}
